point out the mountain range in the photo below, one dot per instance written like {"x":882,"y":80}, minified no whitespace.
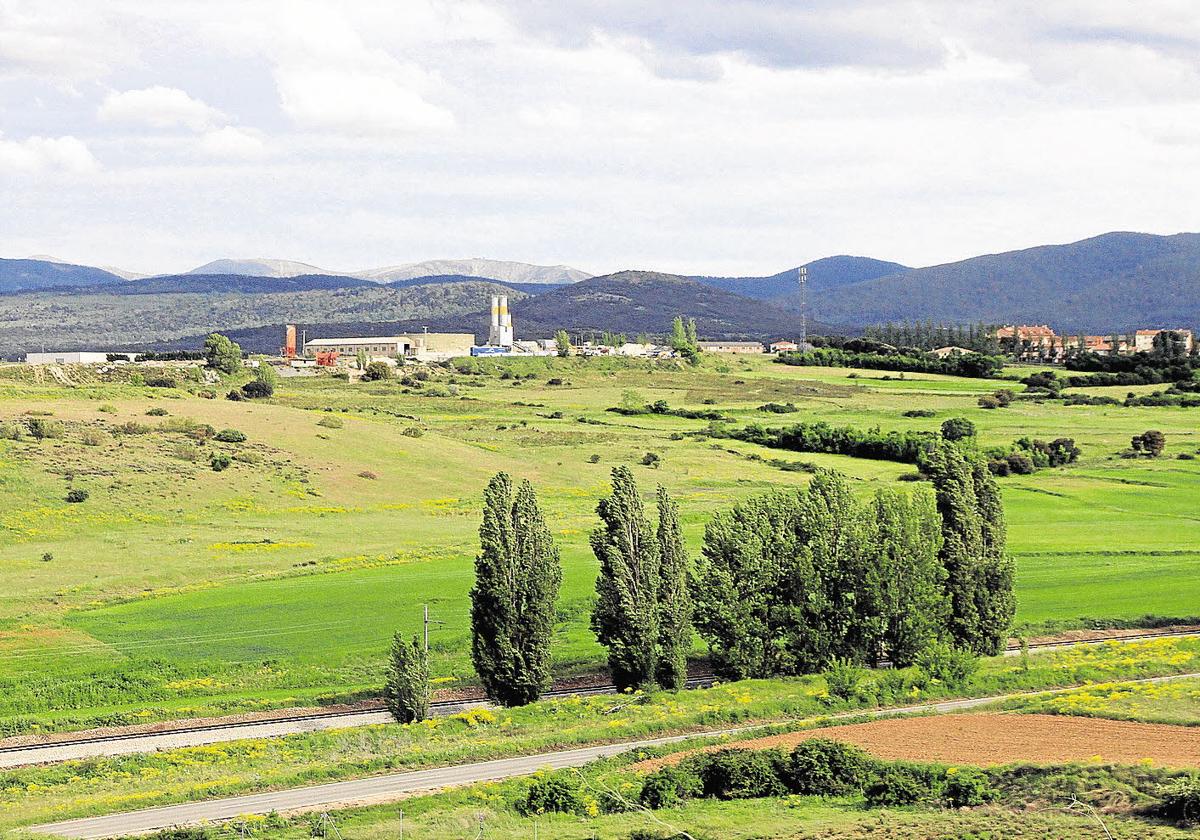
{"x":1113,"y":282}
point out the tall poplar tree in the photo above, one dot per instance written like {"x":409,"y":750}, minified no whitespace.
{"x":517,"y":578}
{"x":907,"y":537}
{"x":674,"y":598}
{"x":979,"y":576}
{"x":625,"y":618}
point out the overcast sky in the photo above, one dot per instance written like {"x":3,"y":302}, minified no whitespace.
{"x":714,"y":136}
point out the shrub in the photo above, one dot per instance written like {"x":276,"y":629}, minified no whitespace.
{"x":958,"y":428}
{"x":156,"y":412}
{"x":1151,"y":442}
{"x":206,"y":394}
{"x":230,"y":436}
{"x":131,"y":427}
{"x":160,"y":382}
{"x":12,"y":431}
{"x":900,"y":785}
{"x":1186,"y":456}
{"x":245,"y":456}
{"x":1181,"y":800}
{"x":330,"y":422}
{"x":77,"y":495}
{"x":593,"y":459}
{"x":91,"y":437}
{"x":254,"y":389}
{"x":41,"y":428}
{"x":670,"y":786}
{"x":367,"y":474}
{"x":906,"y":447}
{"x":778,"y":408}
{"x":107,"y":408}
{"x":739,"y":774}
{"x":988,"y":401}
{"x":554,"y":381}
{"x":821,"y":767}
{"x":184,"y":452}
{"x":843,"y":678}
{"x":552,"y":794}
{"x":966,"y":787}
{"x":947,"y":665}
{"x":220,"y":461}
{"x":413,"y":432}
{"x":920,"y":412}
{"x":651,"y":459}
{"x":377,"y":372}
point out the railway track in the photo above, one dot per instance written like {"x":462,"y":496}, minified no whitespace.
{"x":378,"y":713}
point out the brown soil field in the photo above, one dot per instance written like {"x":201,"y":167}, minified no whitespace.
{"x":989,"y":739}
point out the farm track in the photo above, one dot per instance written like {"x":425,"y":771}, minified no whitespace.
{"x":217,"y":732}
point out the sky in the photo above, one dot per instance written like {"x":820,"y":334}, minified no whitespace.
{"x":702,"y":136}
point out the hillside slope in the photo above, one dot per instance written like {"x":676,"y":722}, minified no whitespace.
{"x":1116,"y":281}
{"x":645,"y":301}
{"x":501,"y":270}
{"x":258,"y":267}
{"x":823,"y":274}
{"x":18,"y":275}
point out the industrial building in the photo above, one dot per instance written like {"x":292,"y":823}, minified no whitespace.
{"x":422,"y":347}
{"x":731,"y":346}
{"x":70,"y":358}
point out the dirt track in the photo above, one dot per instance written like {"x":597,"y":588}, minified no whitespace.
{"x":1000,"y":739}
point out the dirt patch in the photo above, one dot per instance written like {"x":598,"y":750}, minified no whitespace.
{"x":988,"y":739}
{"x":1107,"y":634}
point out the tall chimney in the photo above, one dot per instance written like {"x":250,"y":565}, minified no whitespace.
{"x":495,"y":310}
{"x":289,"y":341}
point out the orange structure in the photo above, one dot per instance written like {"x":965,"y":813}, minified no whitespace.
{"x":328,"y":359}
{"x":289,"y":342}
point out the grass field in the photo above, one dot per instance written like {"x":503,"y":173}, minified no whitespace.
{"x":176,"y":589}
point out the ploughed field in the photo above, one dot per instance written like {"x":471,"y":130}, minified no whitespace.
{"x":993,"y":739}
{"x":174,"y":589}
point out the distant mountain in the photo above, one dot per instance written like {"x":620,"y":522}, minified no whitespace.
{"x":645,"y":301}
{"x":237,"y":283}
{"x":18,"y":275}
{"x":120,"y":272}
{"x":823,"y":274}
{"x":1116,"y":281}
{"x":434,"y":279}
{"x":259,"y":268}
{"x":501,"y":270}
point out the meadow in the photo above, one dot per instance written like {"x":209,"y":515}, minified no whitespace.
{"x":178,"y":590}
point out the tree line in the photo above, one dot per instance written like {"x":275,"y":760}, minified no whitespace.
{"x":787,"y":583}
{"x":974,"y":365}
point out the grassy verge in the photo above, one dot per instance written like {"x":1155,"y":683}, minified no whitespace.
{"x":105,"y":785}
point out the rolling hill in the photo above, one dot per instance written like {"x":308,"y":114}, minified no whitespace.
{"x":503,"y":271}
{"x":21,"y":275}
{"x":258,"y":267}
{"x":1116,"y":281}
{"x":823,"y":275}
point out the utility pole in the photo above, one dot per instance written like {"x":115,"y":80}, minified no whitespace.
{"x":803,"y":278}
{"x":426,"y":631}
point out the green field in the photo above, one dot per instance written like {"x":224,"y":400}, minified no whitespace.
{"x":176,"y":589}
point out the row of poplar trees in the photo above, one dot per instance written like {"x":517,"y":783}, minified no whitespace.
{"x":642,"y":613}
{"x":787,"y":583}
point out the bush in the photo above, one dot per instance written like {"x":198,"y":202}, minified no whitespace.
{"x":92,"y":437}
{"x":377,"y":372}
{"x":651,"y":459}
{"x":77,"y":495}
{"x":593,"y":459}
{"x":958,"y":428}
{"x":160,"y":382}
{"x":41,"y":428}
{"x":967,"y":787}
{"x":1181,"y":800}
{"x":905,"y":359}
{"x":821,"y":767}
{"x":230,"y":436}
{"x":947,"y":665}
{"x":330,"y":422}
{"x":107,"y":408}
{"x":843,"y":678}
{"x":739,"y":774}
{"x":779,"y":408}
{"x":12,"y":431}
{"x":156,"y":412}
{"x":906,"y":447}
{"x":184,"y":452}
{"x":1151,"y":442}
{"x":988,"y":401}
{"x":235,"y":395}
{"x":413,"y":432}
{"x":920,"y":412}
{"x":131,"y":427}
{"x":206,"y":394}
{"x":220,"y":461}
{"x":670,"y":786}
{"x":897,"y":786}
{"x":552,"y":794}
{"x":257,"y":389}
{"x":368,"y":475}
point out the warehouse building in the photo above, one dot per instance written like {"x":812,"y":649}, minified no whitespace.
{"x":70,"y":358}
{"x":423,"y":347}
{"x":731,"y":346}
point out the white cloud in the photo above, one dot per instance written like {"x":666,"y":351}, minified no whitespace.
{"x":46,"y":154}
{"x":233,"y":142}
{"x":159,"y":107}
{"x":356,"y":102}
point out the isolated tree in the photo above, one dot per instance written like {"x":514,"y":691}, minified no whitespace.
{"x":406,"y":693}
{"x":958,"y":428}
{"x":517,"y":577}
{"x":683,"y":339}
{"x":377,"y":371}
{"x":674,"y":599}
{"x":222,"y":353}
{"x":979,"y":576}
{"x":1152,"y":442}
{"x":562,"y":343}
{"x":360,"y":359}
{"x":625,"y":618}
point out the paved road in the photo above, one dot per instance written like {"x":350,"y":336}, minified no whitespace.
{"x":126,"y":745}
{"x":397,"y":785}
{"x":375,"y":788}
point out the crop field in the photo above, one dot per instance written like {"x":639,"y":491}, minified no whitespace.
{"x":174,"y":589}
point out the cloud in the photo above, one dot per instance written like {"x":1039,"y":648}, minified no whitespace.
{"x":356,"y":102}
{"x":233,"y":142}
{"x":159,"y":107}
{"x":46,"y":154}
{"x":66,"y":41}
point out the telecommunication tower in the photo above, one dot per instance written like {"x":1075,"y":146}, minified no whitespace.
{"x":802,"y":277}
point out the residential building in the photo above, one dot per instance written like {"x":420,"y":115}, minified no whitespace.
{"x":784,"y":346}
{"x":1144,"y":339}
{"x":422,"y":347}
